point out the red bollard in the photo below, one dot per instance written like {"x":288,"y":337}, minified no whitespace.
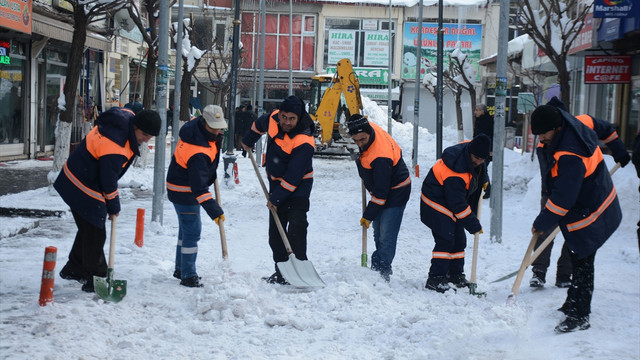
{"x":140,"y":228}
{"x":236,"y":179}
{"x":48,"y":275}
{"x":417,"y":170}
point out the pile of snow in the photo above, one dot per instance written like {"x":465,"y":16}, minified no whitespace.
{"x":357,"y":316}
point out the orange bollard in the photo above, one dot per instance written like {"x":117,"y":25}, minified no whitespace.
{"x":417,"y":170}
{"x":140,"y":228}
{"x":48,"y":275}
{"x":236,"y":179}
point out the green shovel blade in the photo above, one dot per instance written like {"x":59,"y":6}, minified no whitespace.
{"x":109,"y":289}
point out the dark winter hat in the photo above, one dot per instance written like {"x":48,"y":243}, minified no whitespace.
{"x":480,"y":146}
{"x":357,"y":124}
{"x":148,"y":121}
{"x":545,"y":118}
{"x":293,"y":104}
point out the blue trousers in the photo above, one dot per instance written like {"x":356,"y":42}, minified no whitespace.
{"x":189,"y":231}
{"x":385,"y":235}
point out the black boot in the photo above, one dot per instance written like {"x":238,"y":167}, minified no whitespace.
{"x":537,"y":280}
{"x":276,"y":278}
{"x":69,"y":274}
{"x":437,"y":283}
{"x":563,"y":281}
{"x":459,"y":280}
{"x":193,"y":281}
{"x":572,"y":324}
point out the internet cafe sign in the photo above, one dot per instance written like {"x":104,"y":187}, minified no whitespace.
{"x":607,"y":69}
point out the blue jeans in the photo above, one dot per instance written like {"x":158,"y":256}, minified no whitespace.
{"x":190,"y":227}
{"x":385,"y":235}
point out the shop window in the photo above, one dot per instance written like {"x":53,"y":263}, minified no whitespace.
{"x":12,"y":123}
{"x":277,"y":37}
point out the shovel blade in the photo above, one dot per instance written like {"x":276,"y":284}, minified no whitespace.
{"x":472,"y":290}
{"x":109,"y":289}
{"x":300,"y":273}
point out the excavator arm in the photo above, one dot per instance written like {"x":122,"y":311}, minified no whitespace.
{"x":345,"y":83}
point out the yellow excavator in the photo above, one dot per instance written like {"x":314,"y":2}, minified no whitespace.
{"x":333,"y":95}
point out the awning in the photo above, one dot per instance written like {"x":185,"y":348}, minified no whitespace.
{"x":64,"y":32}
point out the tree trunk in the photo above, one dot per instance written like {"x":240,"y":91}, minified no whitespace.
{"x":74,"y":68}
{"x":185,"y":92}
{"x":458,"y":93}
{"x":564,"y":80}
{"x":150,"y":80}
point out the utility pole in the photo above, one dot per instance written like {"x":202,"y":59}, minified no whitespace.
{"x":229,"y":158}
{"x":416,"y":101}
{"x":177,"y":85}
{"x":439,"y":88}
{"x":498,"y":124}
{"x":390,"y":84}
{"x":161,"y":105}
{"x":263,"y":15}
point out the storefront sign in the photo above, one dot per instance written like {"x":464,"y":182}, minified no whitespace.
{"x":607,"y":69}
{"x":613,"y":8}
{"x":5,"y":46}
{"x":584,"y":38}
{"x":376,"y":48}
{"x":16,"y":15}
{"x":342,"y":44}
{"x":469,"y":35}
{"x":368,"y":76}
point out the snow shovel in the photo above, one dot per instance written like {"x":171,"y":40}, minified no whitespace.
{"x":109,"y":289}
{"x":223,"y":238}
{"x":363,"y":257}
{"x":546,"y":242}
{"x":298,"y":273}
{"x":472,"y":284}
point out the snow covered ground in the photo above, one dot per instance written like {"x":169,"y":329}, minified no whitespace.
{"x":357,"y":316}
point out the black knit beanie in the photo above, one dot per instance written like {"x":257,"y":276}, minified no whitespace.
{"x":545,"y":118}
{"x":357,"y":124}
{"x":148,"y":121}
{"x":292,"y":104}
{"x":480,"y":146}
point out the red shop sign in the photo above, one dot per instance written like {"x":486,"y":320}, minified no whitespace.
{"x":607,"y":69}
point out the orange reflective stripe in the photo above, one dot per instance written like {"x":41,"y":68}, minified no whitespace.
{"x":555,"y":208}
{"x":112,"y":195}
{"x":99,"y":145}
{"x":287,"y":186}
{"x":255,"y":129}
{"x":437,"y":207}
{"x":442,"y":172}
{"x":204,"y":197}
{"x":85,"y":189}
{"x":406,"y":182}
{"x":308,"y":175}
{"x":184,"y":152}
{"x":378,"y":201}
{"x":128,"y":110}
{"x":590,"y":163}
{"x":463,"y":214}
{"x":610,"y":138}
{"x":178,"y":188}
{"x":447,"y":256}
{"x":586,"y":120}
{"x":594,"y":216}
{"x":383,"y":146}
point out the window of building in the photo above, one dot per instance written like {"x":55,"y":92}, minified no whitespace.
{"x":11,"y":98}
{"x":276,"y":43}
{"x":364,"y":41}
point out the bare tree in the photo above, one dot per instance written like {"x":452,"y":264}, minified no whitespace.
{"x":461,"y":77}
{"x":554,"y":27}
{"x":85,"y":12}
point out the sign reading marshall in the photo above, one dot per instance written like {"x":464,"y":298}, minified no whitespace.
{"x":613,"y":8}
{"x":607,"y":69}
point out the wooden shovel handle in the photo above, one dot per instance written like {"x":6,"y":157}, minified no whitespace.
{"x":476,"y":237}
{"x":283,"y":235}
{"x":112,"y":242}
{"x":223,"y":237}
{"x":364,"y":227}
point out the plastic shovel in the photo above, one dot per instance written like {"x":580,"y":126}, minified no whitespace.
{"x":109,"y":289}
{"x":298,"y":273}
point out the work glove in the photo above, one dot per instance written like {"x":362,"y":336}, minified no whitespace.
{"x":364,"y":222}
{"x":623,"y":160}
{"x":218,"y":219}
{"x":480,"y":232}
{"x":484,"y":186}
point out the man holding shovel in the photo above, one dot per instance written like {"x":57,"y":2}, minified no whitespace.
{"x":386,"y":177}
{"x":191,"y":173}
{"x":450,"y":194}
{"x":607,"y":135}
{"x":289,"y":155}
{"x":581,"y":200}
{"x":88,"y":183}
